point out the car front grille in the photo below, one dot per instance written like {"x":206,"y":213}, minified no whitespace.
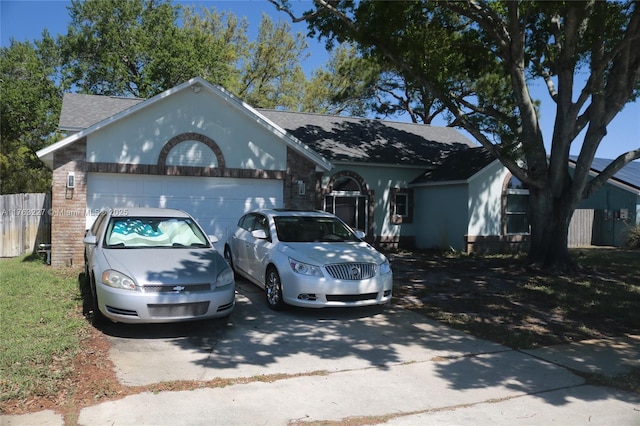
{"x":351,"y":297}
{"x":185,"y":288}
{"x":352,"y":271}
{"x":178,"y":309}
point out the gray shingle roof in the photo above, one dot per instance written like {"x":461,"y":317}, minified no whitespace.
{"x":82,"y":111}
{"x":337,"y":138}
{"x":371,"y":141}
{"x":458,"y":166}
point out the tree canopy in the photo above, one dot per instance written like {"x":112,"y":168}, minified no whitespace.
{"x":29,"y":110}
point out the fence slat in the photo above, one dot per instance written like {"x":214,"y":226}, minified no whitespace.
{"x":25,"y":223}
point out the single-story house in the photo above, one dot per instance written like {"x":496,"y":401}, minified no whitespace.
{"x":199,"y":148}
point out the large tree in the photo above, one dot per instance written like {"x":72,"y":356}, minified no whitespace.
{"x":345,"y":85}
{"x":358,"y":85}
{"x":136,"y":47}
{"x":271,"y":74}
{"x":29,"y":110}
{"x":480,"y":58}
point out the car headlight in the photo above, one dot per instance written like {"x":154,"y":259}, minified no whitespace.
{"x":117,"y":279}
{"x":305,"y":268}
{"x":385,"y":267}
{"x":224,"y":278}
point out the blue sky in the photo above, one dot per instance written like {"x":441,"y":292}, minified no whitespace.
{"x":26,"y":19}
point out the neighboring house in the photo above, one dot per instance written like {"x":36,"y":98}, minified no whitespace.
{"x":613,"y":210}
{"x":199,"y":148}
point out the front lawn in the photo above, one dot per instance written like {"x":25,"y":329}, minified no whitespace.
{"x":499,"y":299}
{"x":41,"y":327}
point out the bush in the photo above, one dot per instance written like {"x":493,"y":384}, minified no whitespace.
{"x":633,"y":238}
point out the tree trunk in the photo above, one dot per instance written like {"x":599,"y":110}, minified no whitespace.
{"x":549,"y":220}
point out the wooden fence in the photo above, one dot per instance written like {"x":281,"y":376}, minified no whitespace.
{"x":581,"y":228}
{"x":25,"y":223}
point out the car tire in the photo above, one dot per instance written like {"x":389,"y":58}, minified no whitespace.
{"x":83,"y":282}
{"x":94,"y":315}
{"x":273,"y":289}
{"x":228,"y":257}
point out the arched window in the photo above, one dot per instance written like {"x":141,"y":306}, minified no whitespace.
{"x":191,"y":153}
{"x":191,"y":149}
{"x":515,"y":207}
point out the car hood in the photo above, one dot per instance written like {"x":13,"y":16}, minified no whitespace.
{"x":323,"y":253}
{"x":167,"y":266}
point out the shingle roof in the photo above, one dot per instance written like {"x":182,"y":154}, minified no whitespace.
{"x":337,"y":138}
{"x":458,"y":166}
{"x":82,"y":111}
{"x":371,"y":141}
{"x":461,"y":165}
{"x":440,"y":149}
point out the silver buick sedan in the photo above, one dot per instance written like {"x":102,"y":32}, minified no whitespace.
{"x":309,"y":259}
{"x":148,"y":265}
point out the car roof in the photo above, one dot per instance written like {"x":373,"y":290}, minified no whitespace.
{"x":293,"y":212}
{"x":146,"y":212}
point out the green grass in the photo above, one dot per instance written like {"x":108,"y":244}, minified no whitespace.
{"x":41,"y":326}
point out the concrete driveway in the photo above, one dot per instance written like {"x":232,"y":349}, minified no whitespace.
{"x":378,"y":365}
{"x":258,"y":341}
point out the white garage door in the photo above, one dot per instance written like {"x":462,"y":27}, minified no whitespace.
{"x":216,"y":203}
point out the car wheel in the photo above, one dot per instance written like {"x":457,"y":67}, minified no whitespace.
{"x":228,"y":257}
{"x":273,"y":289}
{"x":94,"y":315}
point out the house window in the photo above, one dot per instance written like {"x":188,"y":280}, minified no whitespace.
{"x":401,"y":206}
{"x":516,"y":207}
{"x":348,"y":200}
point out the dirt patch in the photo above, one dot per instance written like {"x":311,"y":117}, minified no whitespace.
{"x":500,"y":299}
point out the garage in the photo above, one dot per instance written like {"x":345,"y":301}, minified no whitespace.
{"x":194,"y":147}
{"x":216,"y":203}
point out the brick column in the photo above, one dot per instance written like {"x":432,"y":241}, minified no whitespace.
{"x":68,"y":206}
{"x":300,"y":169}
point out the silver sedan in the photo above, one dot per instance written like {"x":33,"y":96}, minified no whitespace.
{"x":148,"y":265}
{"x":309,"y":259}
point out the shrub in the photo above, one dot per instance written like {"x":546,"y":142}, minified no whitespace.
{"x":633,"y":238}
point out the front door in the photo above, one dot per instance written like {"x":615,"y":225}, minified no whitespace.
{"x":351,"y":208}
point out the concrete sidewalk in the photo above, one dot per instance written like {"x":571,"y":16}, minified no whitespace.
{"x":385,"y":366}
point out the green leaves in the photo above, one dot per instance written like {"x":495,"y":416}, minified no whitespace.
{"x":271,"y":74}
{"x":29,"y":107}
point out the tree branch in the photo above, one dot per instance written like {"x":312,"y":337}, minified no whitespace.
{"x":614,"y":167}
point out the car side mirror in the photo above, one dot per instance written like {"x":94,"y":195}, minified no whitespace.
{"x":360,"y":234}
{"x":90,"y":239}
{"x":213,"y":239}
{"x":259,"y":233}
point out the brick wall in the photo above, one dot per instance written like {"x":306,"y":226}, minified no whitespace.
{"x":301,"y":169}
{"x":68,"y":206}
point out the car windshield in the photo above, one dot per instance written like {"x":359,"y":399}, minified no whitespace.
{"x":301,"y":229}
{"x":146,"y":232}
